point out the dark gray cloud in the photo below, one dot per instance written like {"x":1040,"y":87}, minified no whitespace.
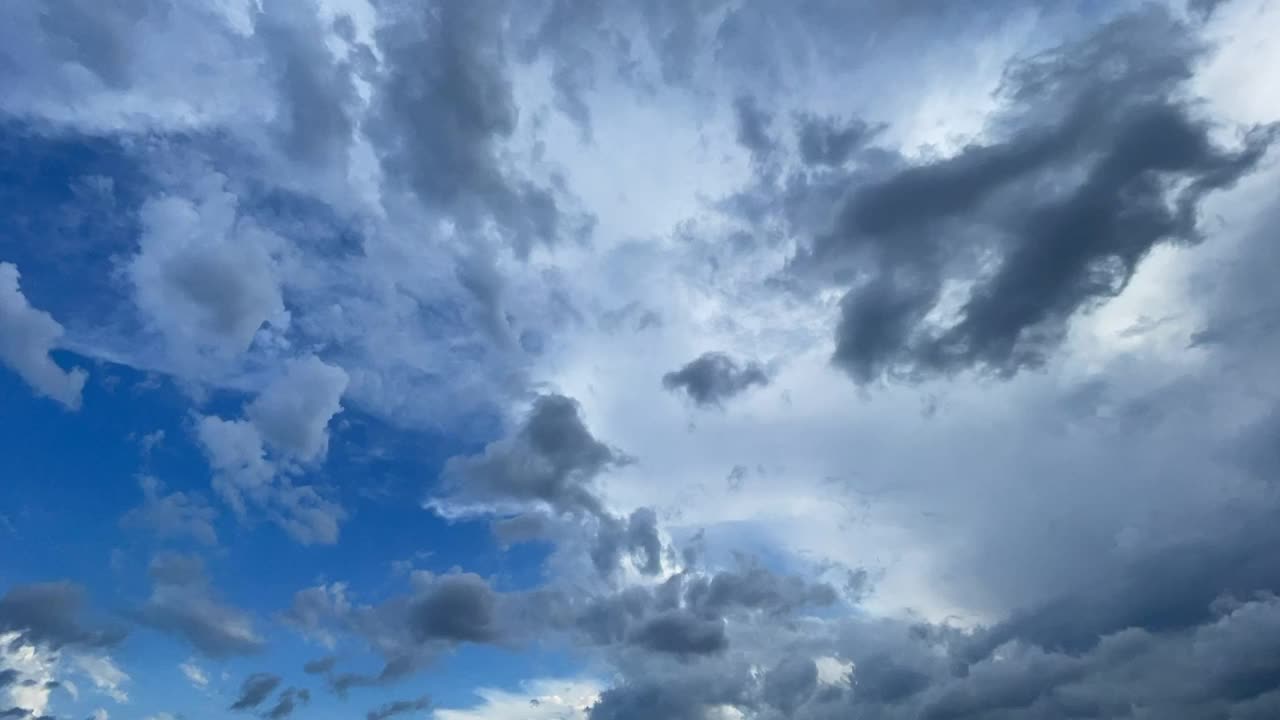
{"x":255,"y":690}
{"x":184,"y":604}
{"x":679,"y":632}
{"x":456,"y":608}
{"x":827,"y":141}
{"x":398,"y":707}
{"x":753,"y":127}
{"x":790,"y":684}
{"x":754,"y":588}
{"x":635,"y":536}
{"x":319,"y":666}
{"x":441,"y":106}
{"x":685,"y":695}
{"x":1167,"y":590}
{"x":551,"y":458}
{"x":51,"y":614}
{"x":1048,"y":218}
{"x":408,"y":630}
{"x":8,"y":676}
{"x":288,"y":701}
{"x":714,"y":377}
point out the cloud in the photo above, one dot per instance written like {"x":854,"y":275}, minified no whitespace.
{"x":195,"y":674}
{"x":551,"y":458}
{"x":438,"y":131}
{"x":293,"y":413}
{"x":172,"y":515}
{"x":28,"y":336}
{"x":319,"y":666}
{"x":455,"y":608}
{"x":205,"y":277}
{"x":254,"y":690}
{"x":49,"y":614}
{"x":1101,"y":170}
{"x":105,"y":675}
{"x":753,"y":127}
{"x":289,"y":699}
{"x":398,"y":707}
{"x":681,"y":633}
{"x":317,"y":90}
{"x":408,"y":630}
{"x":183,"y":603}
{"x":714,"y":377}
{"x":285,"y":431}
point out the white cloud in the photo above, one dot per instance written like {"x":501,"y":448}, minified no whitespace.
{"x":105,"y":675}
{"x":285,"y":432}
{"x":27,"y":335}
{"x":540,"y":699}
{"x":205,"y":277}
{"x":195,"y":674}
{"x":32,"y":664}
{"x":293,"y":412}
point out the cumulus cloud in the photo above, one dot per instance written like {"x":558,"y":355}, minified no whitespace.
{"x":286,"y":429}
{"x":183,"y":603}
{"x":551,"y":458}
{"x":714,"y":377}
{"x":50,"y":614}
{"x":204,"y":276}
{"x":845,"y":187}
{"x":172,"y":515}
{"x":29,"y":334}
{"x":293,"y":413}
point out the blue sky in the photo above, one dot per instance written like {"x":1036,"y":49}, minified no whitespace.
{"x":660,"y":359}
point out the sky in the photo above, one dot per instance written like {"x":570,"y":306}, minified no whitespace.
{"x":639,"y":359}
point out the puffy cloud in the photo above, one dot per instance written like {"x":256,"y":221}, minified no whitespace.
{"x":49,"y":614}
{"x":441,"y":107}
{"x":681,"y":633}
{"x":205,"y":277}
{"x":28,"y":336}
{"x":172,"y":515}
{"x":454,"y":608}
{"x":183,"y":603}
{"x":439,"y":613}
{"x":317,"y":91}
{"x":714,"y":377}
{"x":286,"y":430}
{"x":551,"y":458}
{"x":292,"y":414}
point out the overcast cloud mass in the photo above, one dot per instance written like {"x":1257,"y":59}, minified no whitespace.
{"x":659,"y":359}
